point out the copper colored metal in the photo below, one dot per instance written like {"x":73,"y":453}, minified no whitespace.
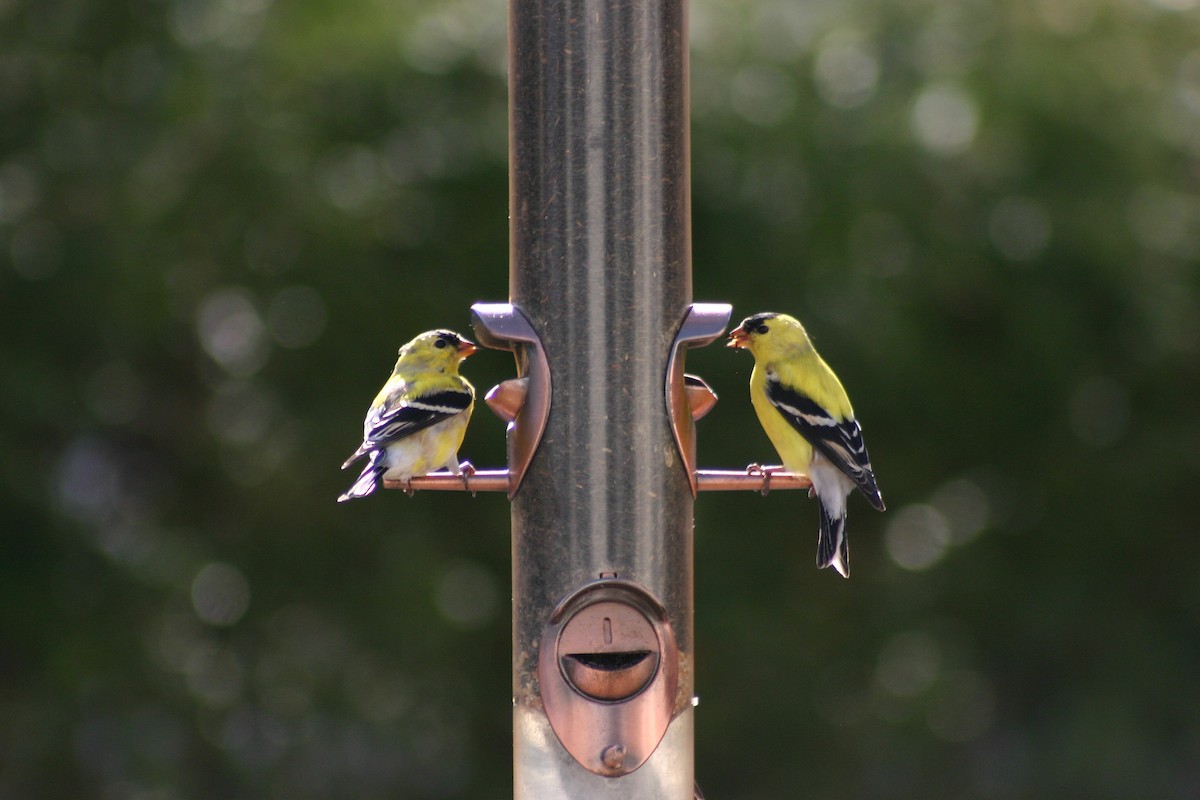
{"x":700,"y":397}
{"x":701,"y":325}
{"x":718,"y":480}
{"x":608,"y":651}
{"x":602,"y":680}
{"x":614,"y":756}
{"x":506,"y":398}
{"x":484,"y":480}
{"x":608,"y":669}
{"x":707,"y":480}
{"x":502,"y":326}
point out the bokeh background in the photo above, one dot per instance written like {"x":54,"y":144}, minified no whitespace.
{"x":220,"y":218}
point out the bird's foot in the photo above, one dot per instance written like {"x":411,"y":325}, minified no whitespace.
{"x":765,"y":473}
{"x":465,"y":470}
{"x":408,"y":488}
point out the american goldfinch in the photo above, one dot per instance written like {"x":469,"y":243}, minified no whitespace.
{"x":808,"y":418}
{"x":417,"y":421}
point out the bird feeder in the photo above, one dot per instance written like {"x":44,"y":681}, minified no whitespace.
{"x":601,"y":470}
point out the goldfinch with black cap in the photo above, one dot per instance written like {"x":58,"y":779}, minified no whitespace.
{"x":417,"y":421}
{"x":806,"y":414}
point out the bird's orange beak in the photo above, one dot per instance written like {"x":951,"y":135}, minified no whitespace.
{"x":738,"y":339}
{"x":466,"y":348}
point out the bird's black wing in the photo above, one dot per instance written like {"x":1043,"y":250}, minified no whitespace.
{"x":407,"y":417}
{"x":840,"y":442}
{"x":397,"y":420}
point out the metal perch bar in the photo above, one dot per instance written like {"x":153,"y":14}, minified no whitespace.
{"x":719,"y":480}
{"x":709,"y":480}
{"x":484,"y":480}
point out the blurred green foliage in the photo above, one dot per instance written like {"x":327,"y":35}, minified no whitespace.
{"x":219,"y":218}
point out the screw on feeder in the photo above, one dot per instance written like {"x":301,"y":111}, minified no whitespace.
{"x":613,"y":756}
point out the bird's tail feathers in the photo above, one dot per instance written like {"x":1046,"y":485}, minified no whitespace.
{"x":367,"y":481}
{"x":359,"y":453}
{"x":833,"y":548}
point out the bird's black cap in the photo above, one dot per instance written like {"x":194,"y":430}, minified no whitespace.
{"x":750,"y":323}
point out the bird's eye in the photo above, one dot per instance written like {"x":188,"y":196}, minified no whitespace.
{"x":761,"y":329}
{"x":440,"y":344}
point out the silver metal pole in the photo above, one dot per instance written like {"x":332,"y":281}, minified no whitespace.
{"x":600,"y":264}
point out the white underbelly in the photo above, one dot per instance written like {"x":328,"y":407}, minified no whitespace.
{"x":423,"y":452}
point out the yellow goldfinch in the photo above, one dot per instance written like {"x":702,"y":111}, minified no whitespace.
{"x":417,"y":421}
{"x":807,"y":416}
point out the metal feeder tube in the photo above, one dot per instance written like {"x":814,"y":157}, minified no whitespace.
{"x":600,"y":264}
